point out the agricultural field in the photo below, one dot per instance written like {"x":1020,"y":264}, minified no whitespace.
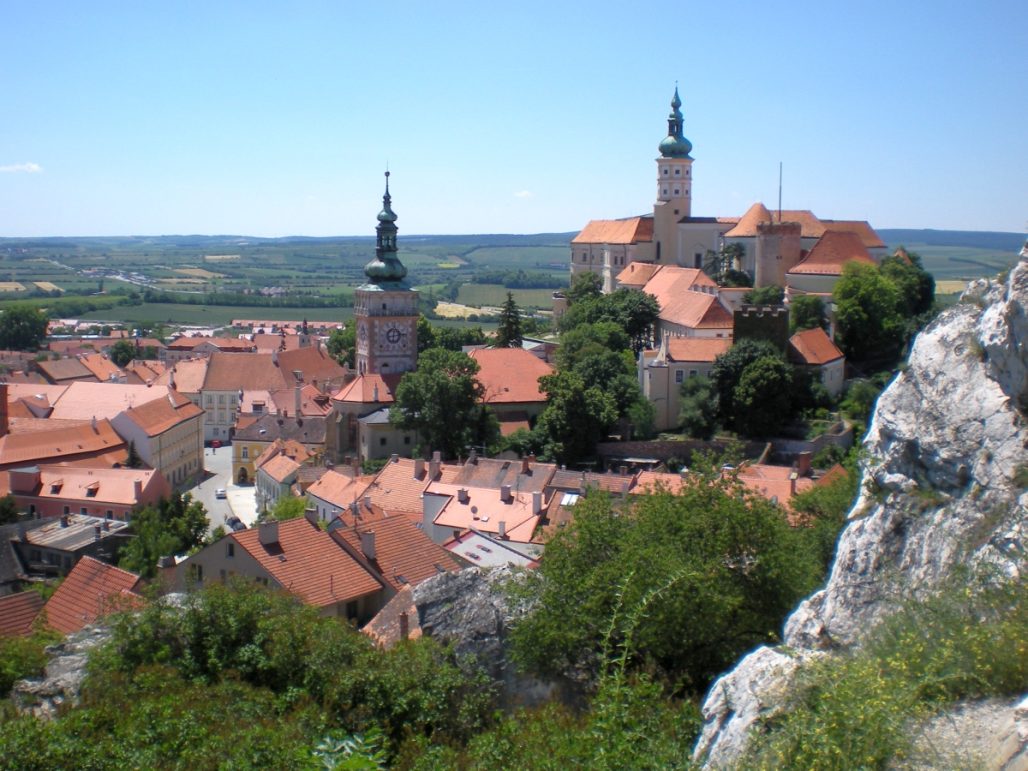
{"x":210,"y":315}
{"x":494,"y":295}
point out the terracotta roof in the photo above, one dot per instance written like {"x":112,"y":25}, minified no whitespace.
{"x":90,"y":484}
{"x":92,"y":589}
{"x":574,"y":481}
{"x":636,"y":274}
{"x":523,"y":475}
{"x":338,"y":489}
{"x":280,"y":468}
{"x":59,"y":438}
{"x":307,"y":562}
{"x":312,"y":401}
{"x":699,"y":349}
{"x":188,"y":374}
{"x":626,"y":231}
{"x":313,"y":361}
{"x":266,"y":343}
{"x":511,"y":421}
{"x":483,"y":509}
{"x":404,"y":555}
{"x":813,"y":347}
{"x":225,"y":344}
{"x":648,"y":482}
{"x":288,"y":447}
{"x":161,"y":415}
{"x":510,"y":375}
{"x":397,"y":489}
{"x":696,"y":310}
{"x":385,"y":627}
{"x":773,"y":483}
{"x":17,"y":612}
{"x":64,"y":369}
{"x":238,"y":371}
{"x":746,"y":227}
{"x":862,"y":228}
{"x":370,"y":389}
{"x":672,"y":280}
{"x":102,"y":367}
{"x":144,"y":371}
{"x":83,"y":401}
{"x":833,"y":251}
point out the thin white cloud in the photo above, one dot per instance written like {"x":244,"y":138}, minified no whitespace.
{"x":21,"y":168}
{"x":523,"y":194}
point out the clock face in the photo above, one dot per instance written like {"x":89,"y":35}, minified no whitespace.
{"x":393,"y":335}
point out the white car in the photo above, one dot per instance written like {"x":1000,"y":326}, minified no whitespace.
{"x":220,"y":493}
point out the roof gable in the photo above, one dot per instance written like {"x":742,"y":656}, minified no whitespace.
{"x":625,"y":231}
{"x":91,"y":590}
{"x":832,"y":252}
{"x":510,"y":375}
{"x":813,"y":347}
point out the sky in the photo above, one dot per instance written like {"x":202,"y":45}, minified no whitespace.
{"x":277,"y":119}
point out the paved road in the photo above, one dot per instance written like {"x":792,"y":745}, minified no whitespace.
{"x":240,"y":501}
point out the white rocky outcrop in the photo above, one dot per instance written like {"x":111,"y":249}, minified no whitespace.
{"x":943,"y":486}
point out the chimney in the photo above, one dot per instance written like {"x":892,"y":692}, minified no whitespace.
{"x":374,"y":393}
{"x":64,"y":520}
{"x":404,"y":626}
{"x":93,"y":424}
{"x":137,"y":489}
{"x":367,"y":502}
{"x":297,"y":400}
{"x":274,"y":358}
{"x":368,"y":544}
{"x":97,"y":532}
{"x":803,"y":463}
{"x":792,"y":483}
{"x":505,"y":495}
{"x":537,"y":502}
{"x":23,"y":534}
{"x":419,"y":468}
{"x":4,"y":423}
{"x":501,"y":529}
{"x":623,"y":470}
{"x":394,"y":458}
{"x":267,"y":533}
{"x":312,"y":515}
{"x":433,"y":466}
{"x":355,"y":509}
{"x":525,"y":466}
{"x":107,"y":525}
{"x":462,"y":495}
{"x":298,"y":375}
{"x":472,"y":456}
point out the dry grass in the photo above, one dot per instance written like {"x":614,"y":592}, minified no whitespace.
{"x":47,"y":286}
{"x":221,"y":257}
{"x":457,"y":311}
{"x":199,"y":272}
{"x":11,"y":286}
{"x":950,"y":286}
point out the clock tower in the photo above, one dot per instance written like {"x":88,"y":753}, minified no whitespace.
{"x":386,"y":308}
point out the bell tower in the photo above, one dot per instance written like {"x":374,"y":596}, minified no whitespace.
{"x":674,"y":186}
{"x":385,"y":307}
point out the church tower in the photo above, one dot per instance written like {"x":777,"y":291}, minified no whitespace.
{"x":386,"y":308}
{"x":674,"y":187}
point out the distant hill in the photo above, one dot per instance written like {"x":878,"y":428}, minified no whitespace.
{"x":975,"y":239}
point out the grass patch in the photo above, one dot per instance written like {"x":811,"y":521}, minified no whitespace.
{"x":495,"y":295}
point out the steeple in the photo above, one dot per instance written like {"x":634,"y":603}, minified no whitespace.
{"x":386,"y":267}
{"x":675,"y":145}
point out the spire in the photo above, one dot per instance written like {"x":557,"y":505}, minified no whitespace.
{"x":386,"y":267}
{"x":675,"y":145}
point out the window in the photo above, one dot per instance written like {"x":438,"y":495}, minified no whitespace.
{"x":110,"y":513}
{"x":665,"y":172}
{"x":221,"y":398}
{"x":246,"y":453}
{"x":406,"y":440}
{"x":679,"y":376}
{"x":665,"y":191}
{"x":676,"y":191}
{"x":693,"y":373}
{"x":351,"y":609}
{"x":230,"y":549}
{"x":67,"y":509}
{"x":91,"y":492}
{"x":35,"y":555}
{"x":677,"y":172}
{"x":382,"y":442}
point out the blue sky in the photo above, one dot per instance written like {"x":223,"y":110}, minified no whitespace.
{"x":276,"y":119}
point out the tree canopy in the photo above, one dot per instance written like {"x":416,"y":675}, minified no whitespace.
{"x":174,"y":526}
{"x":807,"y":312}
{"x":342,"y":345}
{"x":631,"y":309}
{"x":508,"y":333}
{"x":441,"y":400}
{"x":22,"y":328}
{"x":868,"y":313}
{"x":122,"y":352}
{"x":575,"y":418}
{"x":765,"y":295}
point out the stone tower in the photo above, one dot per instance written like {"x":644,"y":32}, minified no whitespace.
{"x":386,"y":308}
{"x":674,"y":186}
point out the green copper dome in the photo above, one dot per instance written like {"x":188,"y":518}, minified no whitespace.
{"x":386,"y":268}
{"x":675,"y":145}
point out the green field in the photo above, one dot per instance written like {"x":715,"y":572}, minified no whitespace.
{"x":212,"y":315}
{"x":961,"y":262}
{"x":480,"y":295}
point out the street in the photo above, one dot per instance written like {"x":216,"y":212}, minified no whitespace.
{"x":240,"y":501}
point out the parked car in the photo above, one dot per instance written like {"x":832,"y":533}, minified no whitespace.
{"x":220,"y":493}
{"x":235,"y":524}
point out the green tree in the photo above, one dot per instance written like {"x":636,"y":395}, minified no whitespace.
{"x":587,"y":340}
{"x":698,"y":407}
{"x":916,"y":285}
{"x":133,"y":460}
{"x":8,"y":509}
{"x":22,"y":328}
{"x":728,"y":369}
{"x":725,"y":564}
{"x":575,"y":418}
{"x":287,"y":507}
{"x":174,"y":526}
{"x":508,"y":333}
{"x":807,"y":312}
{"x":765,"y":295}
{"x":441,"y":400}
{"x":342,"y":345}
{"x":122,"y":352}
{"x":763,"y":397}
{"x":584,"y":286}
{"x":631,"y":309}
{"x":869,"y":314}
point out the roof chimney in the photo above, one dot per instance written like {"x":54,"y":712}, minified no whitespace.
{"x":419,"y":468}
{"x":64,"y":520}
{"x":137,"y":489}
{"x":404,"y":626}
{"x":298,"y":375}
{"x":374,"y":392}
{"x":525,"y":465}
{"x":803,"y":463}
{"x":367,"y":502}
{"x":97,"y":532}
{"x":537,"y":502}
{"x":462,"y":495}
{"x":4,"y":423}
{"x":394,"y":458}
{"x":472,"y":456}
{"x":501,"y":529}
{"x":433,"y":466}
{"x":368,"y":544}
{"x":505,"y":494}
{"x":311,"y":514}
{"x":355,"y":509}
{"x":267,"y":533}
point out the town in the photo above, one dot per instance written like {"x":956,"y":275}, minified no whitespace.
{"x":705,"y":373}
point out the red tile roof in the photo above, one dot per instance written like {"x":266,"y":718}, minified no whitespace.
{"x":700,"y":349}
{"x":338,"y":489}
{"x":226,"y":344}
{"x":626,"y":231}
{"x":280,"y":468}
{"x":811,"y":226}
{"x":53,"y":440}
{"x":307,"y":562}
{"x":17,"y":612}
{"x":92,"y":589}
{"x":510,"y":375}
{"x":101,"y":367}
{"x":833,"y":251}
{"x":397,"y":489}
{"x":867,"y":234}
{"x":313,"y":361}
{"x":64,"y":370}
{"x":696,"y":310}
{"x":238,"y":371}
{"x":813,"y":347}
{"x":188,"y":375}
{"x":161,"y":415}
{"x":484,"y":509}
{"x":636,"y":274}
{"x":404,"y":555}
{"x":370,"y":389}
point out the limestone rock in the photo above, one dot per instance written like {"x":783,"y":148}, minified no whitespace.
{"x":942,"y":487}
{"x":65,"y":672}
